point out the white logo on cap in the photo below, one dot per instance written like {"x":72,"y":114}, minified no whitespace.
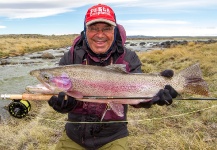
{"x":99,"y":10}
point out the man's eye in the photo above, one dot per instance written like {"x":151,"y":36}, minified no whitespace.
{"x":104,"y":30}
{"x":94,"y":29}
{"x":107,"y":29}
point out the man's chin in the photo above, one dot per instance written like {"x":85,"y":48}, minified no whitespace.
{"x":100,"y":50}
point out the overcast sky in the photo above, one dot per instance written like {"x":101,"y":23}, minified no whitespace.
{"x":139,"y":17}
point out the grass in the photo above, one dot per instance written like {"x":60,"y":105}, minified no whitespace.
{"x":15,"y":45}
{"x":183,"y":125}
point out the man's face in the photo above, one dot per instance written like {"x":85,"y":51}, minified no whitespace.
{"x":100,"y":37}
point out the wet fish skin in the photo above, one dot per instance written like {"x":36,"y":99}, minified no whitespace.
{"x":87,"y":80}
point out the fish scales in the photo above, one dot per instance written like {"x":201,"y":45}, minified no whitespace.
{"x":87,"y":80}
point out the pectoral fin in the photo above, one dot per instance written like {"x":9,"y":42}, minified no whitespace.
{"x":75,"y":94}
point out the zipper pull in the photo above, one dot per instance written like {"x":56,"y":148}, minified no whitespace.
{"x":106,"y":109}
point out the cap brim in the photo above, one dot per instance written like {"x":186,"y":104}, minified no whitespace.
{"x":101,"y":20}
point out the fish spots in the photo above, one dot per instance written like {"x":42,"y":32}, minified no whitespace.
{"x":109,"y":88}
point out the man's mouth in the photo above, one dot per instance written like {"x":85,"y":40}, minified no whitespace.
{"x":100,"y":42}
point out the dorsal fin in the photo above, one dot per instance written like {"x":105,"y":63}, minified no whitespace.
{"x":117,"y":67}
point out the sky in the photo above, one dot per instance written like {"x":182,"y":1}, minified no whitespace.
{"x":139,"y":17}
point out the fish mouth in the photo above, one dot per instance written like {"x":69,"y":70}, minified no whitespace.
{"x":39,"y":76}
{"x":39,"y":88}
{"x":33,"y":73}
{"x":47,"y":85}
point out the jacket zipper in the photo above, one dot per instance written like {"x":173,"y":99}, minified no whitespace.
{"x":105,"y":111}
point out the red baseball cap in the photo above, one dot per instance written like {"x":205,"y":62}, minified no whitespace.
{"x":100,"y":13}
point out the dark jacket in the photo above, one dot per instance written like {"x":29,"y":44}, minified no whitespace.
{"x":95,"y":135}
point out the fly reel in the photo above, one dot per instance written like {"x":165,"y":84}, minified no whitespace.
{"x":19,"y":108}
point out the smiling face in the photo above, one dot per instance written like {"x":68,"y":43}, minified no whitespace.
{"x":100,"y":37}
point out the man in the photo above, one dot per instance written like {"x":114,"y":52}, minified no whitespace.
{"x":101,"y":43}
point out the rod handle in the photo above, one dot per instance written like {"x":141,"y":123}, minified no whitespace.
{"x":26,"y":96}
{"x":39,"y":97}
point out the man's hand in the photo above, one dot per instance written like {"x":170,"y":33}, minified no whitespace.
{"x":167,"y":73}
{"x":165,"y":96}
{"x":60,"y":104}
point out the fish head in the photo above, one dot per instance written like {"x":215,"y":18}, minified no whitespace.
{"x":54,"y":82}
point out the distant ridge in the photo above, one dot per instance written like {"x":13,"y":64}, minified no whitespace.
{"x":128,"y":37}
{"x":35,"y":35}
{"x":140,"y":36}
{"x":168,"y":37}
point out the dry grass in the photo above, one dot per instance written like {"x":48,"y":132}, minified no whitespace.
{"x":20,"y":44}
{"x":183,"y":125}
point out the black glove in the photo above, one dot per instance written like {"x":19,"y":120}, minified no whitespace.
{"x":165,"y":96}
{"x":60,"y":104}
{"x":167,"y":73}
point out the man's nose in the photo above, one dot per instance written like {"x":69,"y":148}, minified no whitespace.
{"x":100,"y":33}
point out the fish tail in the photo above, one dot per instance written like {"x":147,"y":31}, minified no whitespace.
{"x":194,"y":83}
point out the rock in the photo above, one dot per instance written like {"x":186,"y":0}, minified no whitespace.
{"x":133,"y":44}
{"x":206,"y":42}
{"x":47,"y":55}
{"x":127,"y":42}
{"x":4,"y":62}
{"x":142,"y":43}
{"x":170,"y":44}
{"x":184,"y":42}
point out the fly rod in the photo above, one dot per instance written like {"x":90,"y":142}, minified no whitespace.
{"x":48,"y":96}
{"x":20,"y":105}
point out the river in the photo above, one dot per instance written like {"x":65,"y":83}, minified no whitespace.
{"x":15,"y":78}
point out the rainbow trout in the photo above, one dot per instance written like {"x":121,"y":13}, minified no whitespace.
{"x":113,"y":81}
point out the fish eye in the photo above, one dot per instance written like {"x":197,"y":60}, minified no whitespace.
{"x":46,"y":76}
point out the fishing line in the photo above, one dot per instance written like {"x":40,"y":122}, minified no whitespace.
{"x":142,"y":120}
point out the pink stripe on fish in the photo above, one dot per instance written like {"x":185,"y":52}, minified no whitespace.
{"x":109,"y":88}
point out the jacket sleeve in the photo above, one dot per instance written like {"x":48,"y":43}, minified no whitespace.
{"x":134,"y":62}
{"x":66,"y":59}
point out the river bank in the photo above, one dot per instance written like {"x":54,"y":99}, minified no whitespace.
{"x":140,"y":45}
